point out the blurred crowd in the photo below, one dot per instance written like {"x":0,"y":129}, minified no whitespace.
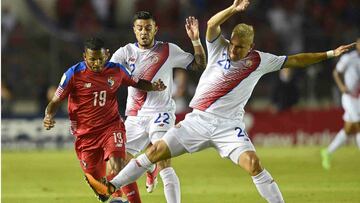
{"x":36,"y":53}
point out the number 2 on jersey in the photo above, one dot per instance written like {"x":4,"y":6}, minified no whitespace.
{"x":163,"y":117}
{"x":99,"y":98}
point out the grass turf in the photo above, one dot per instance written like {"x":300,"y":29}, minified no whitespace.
{"x":55,"y":176}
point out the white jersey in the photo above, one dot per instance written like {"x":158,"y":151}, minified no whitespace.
{"x":225,"y":86}
{"x":152,"y":64}
{"x":349,"y":65}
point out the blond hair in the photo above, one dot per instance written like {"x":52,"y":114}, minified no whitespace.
{"x":244,"y":31}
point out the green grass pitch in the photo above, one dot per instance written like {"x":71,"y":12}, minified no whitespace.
{"x":56,"y":177}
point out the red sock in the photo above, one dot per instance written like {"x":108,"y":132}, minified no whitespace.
{"x":117,"y":193}
{"x":132,"y":192}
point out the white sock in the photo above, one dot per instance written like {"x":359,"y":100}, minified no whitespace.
{"x":339,"y":140}
{"x":267,"y":187}
{"x":171,"y":185}
{"x":132,"y":171}
{"x":358,"y":140}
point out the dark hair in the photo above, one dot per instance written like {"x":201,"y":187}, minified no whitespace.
{"x":144,"y":15}
{"x":94,"y":43}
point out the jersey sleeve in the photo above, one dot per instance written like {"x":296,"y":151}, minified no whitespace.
{"x":180,"y":58}
{"x":65,"y":85}
{"x":342,"y":64}
{"x":119,"y":56}
{"x":270,"y":62}
{"x":127,"y":79}
{"x":216,"y":45}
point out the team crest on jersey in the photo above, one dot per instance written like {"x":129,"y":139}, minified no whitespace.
{"x":111,"y":81}
{"x":154,"y":59}
{"x":248,"y":63}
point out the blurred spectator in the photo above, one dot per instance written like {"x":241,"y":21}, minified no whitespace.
{"x":286,"y":20}
{"x":66,"y":10}
{"x":285,"y":92}
{"x":105,"y":11}
{"x":281,"y":26}
{"x":6,"y":100}
{"x":8,"y":24}
{"x":180,"y":94}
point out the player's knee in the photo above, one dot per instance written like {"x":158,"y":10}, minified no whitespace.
{"x":158,"y":152}
{"x":350,"y":128}
{"x":116,"y":164}
{"x":251,"y":163}
{"x":164,"y":164}
{"x":255,"y":167}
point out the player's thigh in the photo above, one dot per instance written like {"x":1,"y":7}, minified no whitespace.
{"x":91,"y":161}
{"x":351,"y":107}
{"x":190,"y":135}
{"x":114,"y":146}
{"x":231,"y":140}
{"x":159,"y":124}
{"x":350,"y":128}
{"x":137,"y":137}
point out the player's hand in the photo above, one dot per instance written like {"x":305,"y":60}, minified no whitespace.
{"x":344,"y":48}
{"x":158,"y":85}
{"x":192,"y":28}
{"x":48,"y":122}
{"x":240,"y":5}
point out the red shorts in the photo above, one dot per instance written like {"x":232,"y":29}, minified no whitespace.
{"x":93,"y":150}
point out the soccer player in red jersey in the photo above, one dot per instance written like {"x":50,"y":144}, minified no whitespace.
{"x":91,"y":87}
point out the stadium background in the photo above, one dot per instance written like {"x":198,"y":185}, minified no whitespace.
{"x":40,"y":39}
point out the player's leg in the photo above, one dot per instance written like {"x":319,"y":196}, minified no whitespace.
{"x":358,"y":134}
{"x":168,"y":175}
{"x":114,"y":148}
{"x":188,"y":136}
{"x":137,"y":139}
{"x":161,"y":150}
{"x":91,"y":162}
{"x":351,"y":117}
{"x":232,"y":141}
{"x":265,"y":184}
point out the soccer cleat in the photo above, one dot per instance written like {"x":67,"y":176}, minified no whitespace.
{"x":325,"y":156}
{"x":101,"y":190}
{"x":151,"y":180}
{"x":102,"y":198}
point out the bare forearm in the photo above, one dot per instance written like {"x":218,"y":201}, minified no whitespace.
{"x":221,"y":16}
{"x":199,"y":62}
{"x":144,"y":85}
{"x":305,"y":59}
{"x":52,"y":108}
{"x":213,"y":25}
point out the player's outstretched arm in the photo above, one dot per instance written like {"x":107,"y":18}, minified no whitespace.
{"x":213,"y":25}
{"x":306,"y":59}
{"x":192,"y":30}
{"x":50,"y":112}
{"x":148,"y":86}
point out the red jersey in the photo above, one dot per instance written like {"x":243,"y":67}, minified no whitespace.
{"x":92,"y":100}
